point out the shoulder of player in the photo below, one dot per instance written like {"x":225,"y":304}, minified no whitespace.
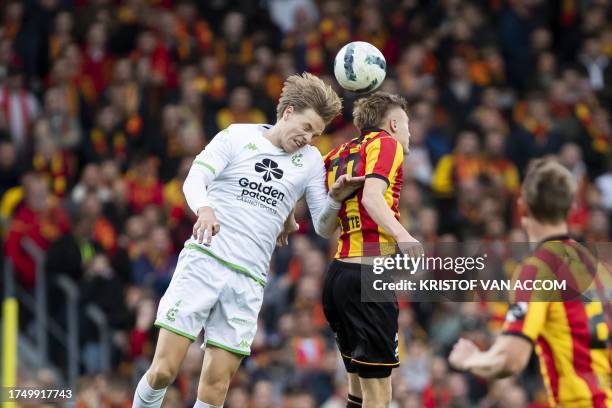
{"x":310,"y":153}
{"x":335,"y":150}
{"x":239,"y":135}
{"x":242,"y":130}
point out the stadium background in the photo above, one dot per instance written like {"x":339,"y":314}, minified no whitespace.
{"x":105,"y":103}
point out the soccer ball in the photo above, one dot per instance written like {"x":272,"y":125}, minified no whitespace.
{"x":360,"y":67}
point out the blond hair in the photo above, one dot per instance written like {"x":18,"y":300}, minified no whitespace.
{"x":307,"y":91}
{"x":548,"y":191}
{"x":369,"y":112}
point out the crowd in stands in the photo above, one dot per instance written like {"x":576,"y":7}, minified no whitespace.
{"x":105,"y":103}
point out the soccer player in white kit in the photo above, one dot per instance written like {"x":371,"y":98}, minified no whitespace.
{"x":243,"y":186}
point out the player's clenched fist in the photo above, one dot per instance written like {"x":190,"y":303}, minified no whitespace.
{"x":206,"y":226}
{"x":410,"y":246}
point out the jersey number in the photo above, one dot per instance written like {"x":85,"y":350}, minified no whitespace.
{"x":340,"y":168}
{"x":598,"y":328}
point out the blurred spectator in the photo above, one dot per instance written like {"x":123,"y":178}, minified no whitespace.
{"x":106,"y":140}
{"x":239,"y":110}
{"x":97,"y":62}
{"x":64,"y":128}
{"x":155,"y":266}
{"x":456,"y":168}
{"x":460,"y":96}
{"x":57,"y":166}
{"x":283,"y":13}
{"x":19,"y":108}
{"x":10,"y":167}
{"x":535,"y":136}
{"x":594,"y":61}
{"x":143,"y":186}
{"x":38,"y":219}
{"x":100,"y":287}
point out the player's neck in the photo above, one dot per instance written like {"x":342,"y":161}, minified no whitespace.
{"x":539,"y":232}
{"x":273,"y":135}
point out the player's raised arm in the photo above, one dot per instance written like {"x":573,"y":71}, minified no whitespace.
{"x":205,"y":168}
{"x":324,"y":207}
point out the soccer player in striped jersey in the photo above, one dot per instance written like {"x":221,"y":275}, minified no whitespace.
{"x":366,"y":332}
{"x":571,"y":336}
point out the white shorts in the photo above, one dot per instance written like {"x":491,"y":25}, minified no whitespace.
{"x":207,"y":294}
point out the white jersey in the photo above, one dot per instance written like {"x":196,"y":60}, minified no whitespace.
{"x":255,"y":187}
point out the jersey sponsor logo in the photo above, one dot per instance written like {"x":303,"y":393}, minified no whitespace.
{"x":260,"y":195}
{"x":250,"y":146}
{"x":270,"y":169}
{"x":264,"y":193}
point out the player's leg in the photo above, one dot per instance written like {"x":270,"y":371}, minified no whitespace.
{"x":334,"y":299}
{"x":182,"y":311}
{"x":218,"y":368}
{"x":367,"y":334}
{"x":355,"y":395}
{"x":230,"y":330}
{"x":376,"y":392}
{"x":169,"y":354}
{"x":378,"y":352}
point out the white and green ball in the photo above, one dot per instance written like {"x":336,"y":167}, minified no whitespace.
{"x":360,"y":67}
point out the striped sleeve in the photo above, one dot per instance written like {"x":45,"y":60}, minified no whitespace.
{"x":525,"y":318}
{"x":383,"y":157}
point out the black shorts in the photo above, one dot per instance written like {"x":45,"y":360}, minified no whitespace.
{"x":366,"y":332}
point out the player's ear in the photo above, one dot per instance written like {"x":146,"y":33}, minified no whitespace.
{"x":524,"y":214}
{"x":288,"y":111}
{"x":393,"y":125}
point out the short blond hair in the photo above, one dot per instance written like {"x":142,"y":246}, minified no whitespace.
{"x":307,"y":91}
{"x":369,"y":112}
{"x":548,"y":191}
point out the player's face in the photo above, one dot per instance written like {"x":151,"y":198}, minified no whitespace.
{"x":298,"y":128}
{"x":398,"y":121}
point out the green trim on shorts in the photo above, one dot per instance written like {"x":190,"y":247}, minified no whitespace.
{"x":208,"y":166}
{"x":173,"y":330}
{"x":230,"y":265}
{"x":226,"y":348}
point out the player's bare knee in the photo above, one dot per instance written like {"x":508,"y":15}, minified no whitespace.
{"x":217,"y":384}
{"x":376,"y":393}
{"x":376,"y":400}
{"x":161,"y":374}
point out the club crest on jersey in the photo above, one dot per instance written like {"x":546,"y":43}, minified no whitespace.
{"x":269,"y":168}
{"x":171,"y":314}
{"x":296,"y":159}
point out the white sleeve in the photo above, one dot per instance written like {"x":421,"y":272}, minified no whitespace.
{"x":217,"y":154}
{"x":323,"y":209}
{"x":205,"y":168}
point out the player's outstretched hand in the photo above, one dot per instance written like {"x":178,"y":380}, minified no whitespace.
{"x":206,"y":226}
{"x":289,"y":228}
{"x":462,"y":351}
{"x":344,"y":186}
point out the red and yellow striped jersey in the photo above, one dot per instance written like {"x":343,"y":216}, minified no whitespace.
{"x":374,"y":154}
{"x":571,"y":338}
